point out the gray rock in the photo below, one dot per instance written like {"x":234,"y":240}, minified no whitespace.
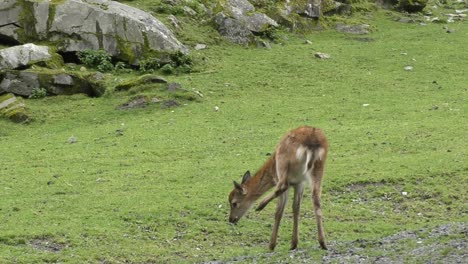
{"x":233,"y":29}
{"x":76,"y":25}
{"x":200,"y":47}
{"x":309,"y":8}
{"x":353,"y":29}
{"x":24,"y":82}
{"x":174,"y":22}
{"x":19,"y":82}
{"x":321,"y":55}
{"x":23,"y":55}
{"x":239,"y":22}
{"x":189,"y":11}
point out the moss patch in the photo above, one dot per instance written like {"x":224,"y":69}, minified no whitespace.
{"x":13,"y":108}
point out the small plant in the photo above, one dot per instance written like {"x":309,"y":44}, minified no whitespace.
{"x":167,"y":69}
{"x":150,"y":65}
{"x":38,"y":93}
{"x":99,"y":59}
{"x":179,"y":59}
{"x":176,"y":62}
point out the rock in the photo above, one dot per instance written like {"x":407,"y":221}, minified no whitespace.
{"x":233,"y":30}
{"x":19,"y":82}
{"x":408,"y":68}
{"x":144,"y":79}
{"x":412,"y":6}
{"x":353,"y":29}
{"x":263,"y":44}
{"x":24,"y":82}
{"x":72,"y":140}
{"x":200,"y":47}
{"x":169,"y":104}
{"x":13,"y":108}
{"x":321,"y":55}
{"x":172,"y":87}
{"x":308,"y":8}
{"x":242,"y":22}
{"x":139,"y":101}
{"x":75,"y":25}
{"x":189,"y":11}
{"x":23,"y":55}
{"x":174,"y":22}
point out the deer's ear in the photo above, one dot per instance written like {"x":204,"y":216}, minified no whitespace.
{"x":238,"y":186}
{"x":246,"y":177}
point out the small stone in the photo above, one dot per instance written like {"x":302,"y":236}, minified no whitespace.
{"x":216,"y":108}
{"x":404,"y":193}
{"x":72,"y":140}
{"x":450,"y":30}
{"x":308,"y":42}
{"x":321,"y":55}
{"x":200,"y":47}
{"x":408,"y":68}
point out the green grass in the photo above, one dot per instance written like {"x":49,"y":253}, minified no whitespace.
{"x":158,"y":193}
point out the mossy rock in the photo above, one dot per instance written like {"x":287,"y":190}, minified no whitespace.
{"x":13,"y":108}
{"x":144,"y":79}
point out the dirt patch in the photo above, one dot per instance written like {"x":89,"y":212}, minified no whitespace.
{"x":47,"y":244}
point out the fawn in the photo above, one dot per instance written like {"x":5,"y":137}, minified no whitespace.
{"x":299,"y":159}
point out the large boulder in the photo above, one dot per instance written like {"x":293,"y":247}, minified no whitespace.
{"x":75,"y":25}
{"x":24,"y":83}
{"x":23,"y":55}
{"x":13,"y":108}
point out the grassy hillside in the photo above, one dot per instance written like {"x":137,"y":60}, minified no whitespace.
{"x":86,"y":182}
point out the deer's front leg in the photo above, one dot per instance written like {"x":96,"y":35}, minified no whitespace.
{"x":281,"y":187}
{"x":282,"y":199}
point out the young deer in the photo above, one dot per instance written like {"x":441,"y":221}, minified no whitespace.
{"x":299,"y":159}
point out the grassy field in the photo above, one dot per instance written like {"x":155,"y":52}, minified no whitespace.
{"x":150,"y":185}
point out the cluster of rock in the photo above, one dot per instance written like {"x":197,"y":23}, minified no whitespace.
{"x":69,"y":26}
{"x":75,"y":25}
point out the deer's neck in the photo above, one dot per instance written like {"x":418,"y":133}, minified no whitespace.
{"x":263,"y":179}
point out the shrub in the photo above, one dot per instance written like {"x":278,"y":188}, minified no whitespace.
{"x":38,"y":93}
{"x":98,"y":59}
{"x":176,"y":62}
{"x":167,"y":69}
{"x":150,"y":65}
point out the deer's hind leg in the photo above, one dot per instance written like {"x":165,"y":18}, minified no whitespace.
{"x":298,"y":193}
{"x":316,"y":188}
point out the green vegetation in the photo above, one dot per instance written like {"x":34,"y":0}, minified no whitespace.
{"x":98,"y":59}
{"x":86,"y":182}
{"x":38,"y":93}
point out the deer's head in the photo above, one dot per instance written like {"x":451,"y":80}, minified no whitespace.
{"x":238,"y":199}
